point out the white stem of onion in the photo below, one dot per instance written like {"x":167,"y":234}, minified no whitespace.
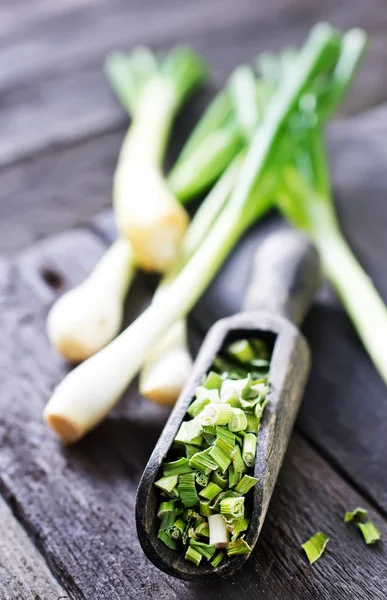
{"x":219,"y":535}
{"x":89,"y":316}
{"x":167,"y":367}
{"x":146,"y":211}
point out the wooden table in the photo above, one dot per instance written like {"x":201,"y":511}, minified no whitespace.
{"x":67,"y":514}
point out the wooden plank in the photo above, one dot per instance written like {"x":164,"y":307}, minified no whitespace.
{"x":52,"y":89}
{"x":23,"y":572}
{"x":78,"y":502}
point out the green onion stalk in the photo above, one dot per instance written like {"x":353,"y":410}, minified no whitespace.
{"x":152,"y":89}
{"x":90,"y":391}
{"x":307,"y":203}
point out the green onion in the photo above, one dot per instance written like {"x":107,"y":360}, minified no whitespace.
{"x":238,"y":420}
{"x":355,"y":515}
{"x":167,"y":484}
{"x":190,"y":450}
{"x":204,"y":549}
{"x":237,"y":460}
{"x":239,"y":526}
{"x":370,"y":533}
{"x":259,"y":409}
{"x":215,"y":414}
{"x":201,"y":479}
{"x":315,"y":546}
{"x":165,"y":507}
{"x":168,"y":520}
{"x":213,"y":381}
{"x":167,"y":539}
{"x":187,"y":489}
{"x":204,"y":508}
{"x":202,"y":529}
{"x":219,"y":478}
{"x":197,"y":406}
{"x":233,"y":507}
{"x":241,"y":350}
{"x":249,"y":449}
{"x":210,"y":491}
{"x":203,"y":462}
{"x":86,"y":318}
{"x":190,"y":432}
{"x":252,"y":423}
{"x":217,"y":559}
{"x":245,"y":484}
{"x":219,"y":536}
{"x":225,"y":434}
{"x":239,"y":546}
{"x":152,"y":90}
{"x":177,"y":467}
{"x":233,"y":477}
{"x":193,"y":555}
{"x":221,"y":453}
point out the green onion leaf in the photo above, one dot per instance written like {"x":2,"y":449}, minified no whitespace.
{"x":217,"y":559}
{"x":205,"y":508}
{"x":356,"y":514}
{"x":210,"y":491}
{"x":239,"y":546}
{"x":165,"y":507}
{"x":315,"y":546}
{"x":241,"y":351}
{"x":203,"y":462}
{"x":201,"y":479}
{"x":220,"y":479}
{"x":203,"y":529}
{"x":370,"y":533}
{"x":187,"y":489}
{"x":249,"y":449}
{"x":204,"y":549}
{"x":245,"y":484}
{"x":213,"y":381}
{"x":167,"y":484}
{"x":190,"y":433}
{"x":233,"y":507}
{"x":167,"y":539}
{"x":193,"y":555}
{"x":238,"y":420}
{"x":233,"y":476}
{"x":215,"y":414}
{"x":177,"y":467}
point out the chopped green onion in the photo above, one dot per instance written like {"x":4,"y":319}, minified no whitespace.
{"x":203,"y":529}
{"x":241,"y":351}
{"x":356,"y":514}
{"x":190,"y":433}
{"x":221,"y":453}
{"x":187,"y":489}
{"x":205,"y":508}
{"x":197,"y":406}
{"x":233,"y":477}
{"x":167,"y":539}
{"x":167,"y":484}
{"x":190,"y":450}
{"x":215,"y":414}
{"x":239,"y":526}
{"x":315,"y":546}
{"x":219,"y":478}
{"x":219,"y":535}
{"x":225,"y":434}
{"x":245,"y":484}
{"x":201,"y":479}
{"x":259,"y":408}
{"x":217,"y":559}
{"x":193,"y":555}
{"x":210,"y":491}
{"x":370,"y":533}
{"x":168,"y":520}
{"x":239,"y":546}
{"x":165,"y":507}
{"x":237,"y":461}
{"x":213,"y":381}
{"x":204,"y":549}
{"x":222,"y":496}
{"x":238,"y":420}
{"x":252,"y":423}
{"x":233,"y":507}
{"x":203,"y":462}
{"x":177,"y":467}
{"x":211,"y":395}
{"x":249,"y":449}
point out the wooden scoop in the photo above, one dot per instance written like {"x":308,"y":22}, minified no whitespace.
{"x":285,"y":277}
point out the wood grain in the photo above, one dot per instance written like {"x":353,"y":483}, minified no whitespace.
{"x":23,"y":573}
{"x":78,"y":503}
{"x":52,"y":89}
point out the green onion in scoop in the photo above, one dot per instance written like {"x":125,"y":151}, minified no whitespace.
{"x":315,"y":546}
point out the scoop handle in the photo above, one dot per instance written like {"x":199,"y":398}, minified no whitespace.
{"x":286,"y":274}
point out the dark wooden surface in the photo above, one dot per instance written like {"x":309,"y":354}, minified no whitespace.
{"x":70,"y":514}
